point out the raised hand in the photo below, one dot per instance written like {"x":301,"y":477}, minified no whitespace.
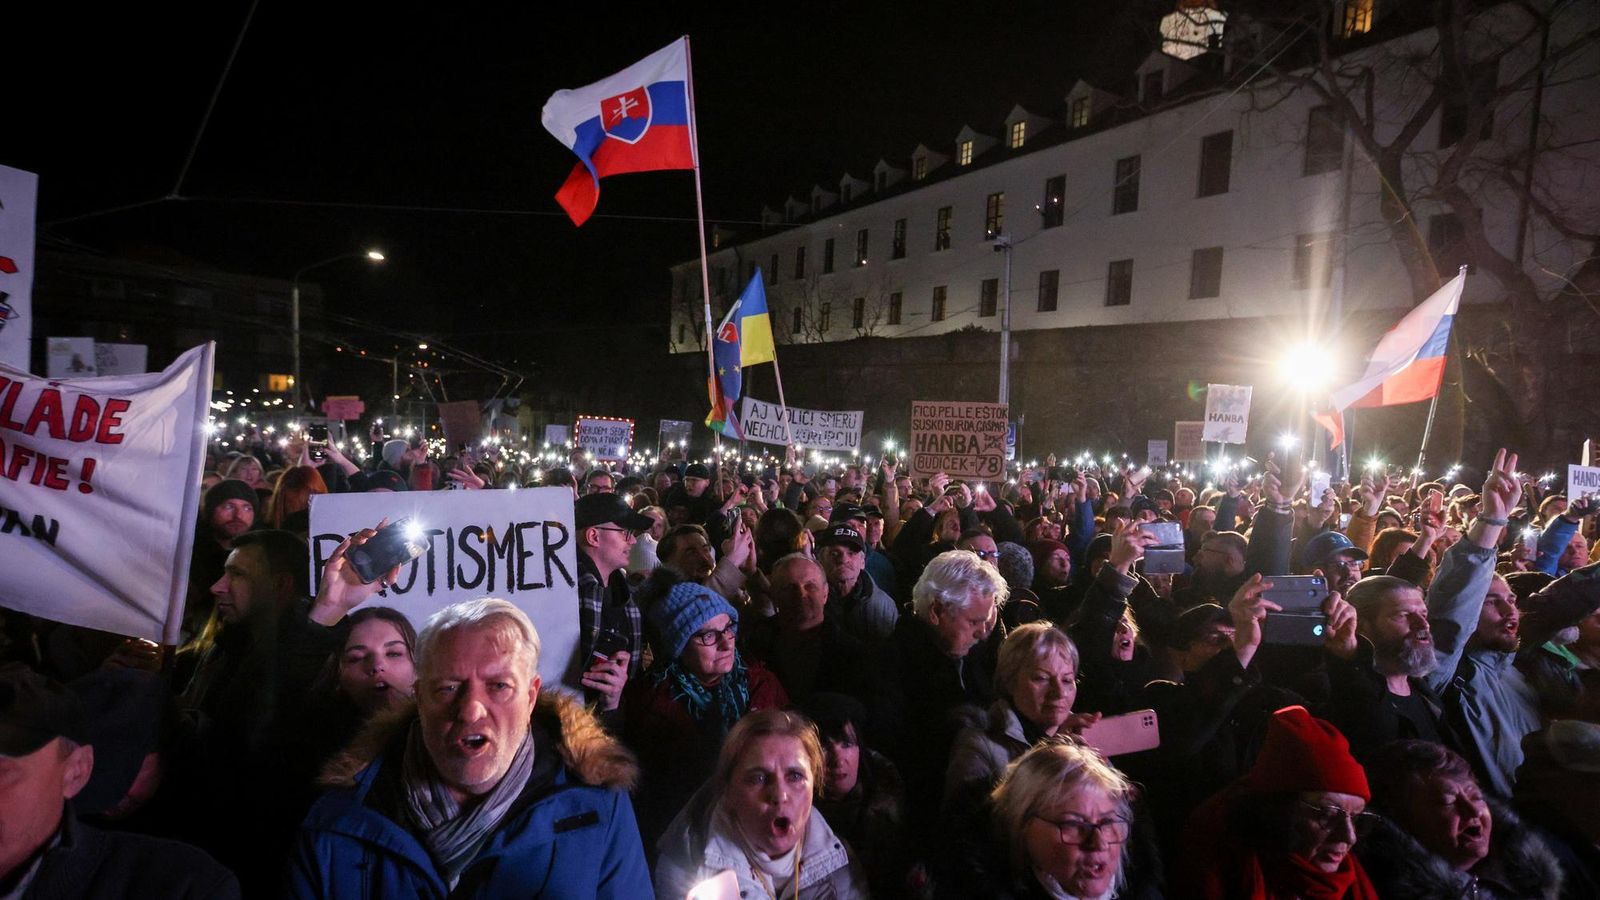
{"x":608,"y":677}
{"x":1499,"y":497}
{"x":1340,"y":638}
{"x":1128,"y":543}
{"x":341,"y":589}
{"x":1248,"y":609}
{"x":466,"y":478}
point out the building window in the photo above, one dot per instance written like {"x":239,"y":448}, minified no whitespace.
{"x":1053,"y":211}
{"x":964,"y":154}
{"x":941,"y":229}
{"x":1461,"y":102}
{"x":800,"y":262}
{"x":1125,"y":190}
{"x":861,"y":247}
{"x":937,"y":313}
{"x":1205,"y":273}
{"x":1152,"y":87}
{"x":1446,"y":243}
{"x":919,"y":168}
{"x":279,"y":384}
{"x":896,"y":302}
{"x":988,"y":297}
{"x":1312,"y":263}
{"x":994,"y":215}
{"x":772,"y":270}
{"x":683,"y":332}
{"x":1357,"y":17}
{"x":1324,"y":141}
{"x":825,"y":316}
{"x":858,"y":313}
{"x":1080,"y":112}
{"x":799,"y":319}
{"x":898,"y":249}
{"x":827,"y":256}
{"x":1049,"y":287}
{"x":880,"y":181}
{"x":1019,"y":134}
{"x":1216,"y":163}
{"x":1119,"y":282}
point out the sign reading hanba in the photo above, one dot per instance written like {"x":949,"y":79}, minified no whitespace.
{"x":605,"y":439}
{"x":813,"y":429}
{"x":961,"y":439}
{"x":1227,"y":413}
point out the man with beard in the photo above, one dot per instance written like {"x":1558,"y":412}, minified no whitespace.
{"x":1219,"y":570}
{"x":1475,"y":622}
{"x":1374,"y":682}
{"x":1339,"y":560}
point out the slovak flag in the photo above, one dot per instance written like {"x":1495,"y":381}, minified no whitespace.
{"x":1408,"y":363}
{"x":635,"y":121}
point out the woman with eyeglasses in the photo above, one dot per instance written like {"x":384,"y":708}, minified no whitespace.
{"x":1059,"y":825}
{"x":1287,"y":828}
{"x":698,"y":686}
{"x":1036,"y":682}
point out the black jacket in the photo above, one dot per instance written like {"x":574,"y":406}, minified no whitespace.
{"x":89,"y":862}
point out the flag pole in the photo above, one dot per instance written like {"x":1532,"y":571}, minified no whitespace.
{"x":700,"y":220}
{"x":1433,"y":407}
{"x":783,"y":409}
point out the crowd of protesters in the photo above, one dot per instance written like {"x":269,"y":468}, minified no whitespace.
{"x":836,"y":682}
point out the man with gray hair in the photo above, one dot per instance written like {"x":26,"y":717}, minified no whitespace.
{"x":940,"y":663}
{"x":486,"y":788}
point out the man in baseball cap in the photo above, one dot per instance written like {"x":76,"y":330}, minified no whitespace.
{"x":45,"y":761}
{"x":862,"y":607}
{"x":1341,"y":562}
{"x":606,"y":530}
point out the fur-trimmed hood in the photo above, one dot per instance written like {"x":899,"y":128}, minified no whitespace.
{"x":1519,"y":864}
{"x":587,"y":749}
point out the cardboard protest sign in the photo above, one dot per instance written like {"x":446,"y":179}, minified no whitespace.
{"x":1227,"y":413}
{"x":606,"y":439}
{"x":1582,"y":481}
{"x":1155,"y":453}
{"x":69,"y":357}
{"x":99,"y":485}
{"x":1188,"y":442}
{"x":343,"y":408}
{"x":961,"y":439}
{"x":515,"y":545}
{"x":813,"y":429}
{"x":674,"y":434}
{"x":19,"y":191}
{"x":461,"y":423}
{"x":121,"y":359}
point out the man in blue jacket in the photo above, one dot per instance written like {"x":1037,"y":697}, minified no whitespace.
{"x":485,"y":789}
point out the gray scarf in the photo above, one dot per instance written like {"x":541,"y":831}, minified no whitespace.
{"x":454,"y":839}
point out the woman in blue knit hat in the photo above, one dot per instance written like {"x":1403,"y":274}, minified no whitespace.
{"x":697,"y":688}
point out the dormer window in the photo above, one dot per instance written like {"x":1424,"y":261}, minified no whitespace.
{"x":1019,"y":134}
{"x":1080,"y":112}
{"x":919,"y":168}
{"x":1153,"y":82}
{"x":964,"y":154}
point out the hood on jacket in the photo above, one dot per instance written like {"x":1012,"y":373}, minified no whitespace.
{"x":1519,"y":863}
{"x":587,"y":749}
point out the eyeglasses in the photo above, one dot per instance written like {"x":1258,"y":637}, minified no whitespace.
{"x":712,"y":636}
{"x":627,"y":531}
{"x":987,"y":554}
{"x":1330,"y":818}
{"x":1076,"y":832}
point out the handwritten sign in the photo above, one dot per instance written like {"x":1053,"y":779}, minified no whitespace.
{"x":962,"y":439}
{"x":605,"y":439}
{"x":813,"y":429}
{"x":1188,"y":442}
{"x":1155,"y":453}
{"x":556,"y":435}
{"x":515,"y":545}
{"x":1582,"y":481}
{"x":1227,"y":413}
{"x":343,"y":408}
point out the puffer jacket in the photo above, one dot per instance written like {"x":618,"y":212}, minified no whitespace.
{"x":571,"y":834}
{"x":1519,"y":864}
{"x":980,"y":755}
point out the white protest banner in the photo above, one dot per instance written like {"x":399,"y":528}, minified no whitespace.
{"x":606,"y":439}
{"x":1227,"y":413}
{"x":99,"y":484}
{"x":1188,"y":442}
{"x":515,"y":545}
{"x":1155,"y":453}
{"x":69,"y":357}
{"x":961,"y":439}
{"x":813,"y":429}
{"x":1582,"y":481}
{"x":343,"y":407}
{"x":19,"y":191}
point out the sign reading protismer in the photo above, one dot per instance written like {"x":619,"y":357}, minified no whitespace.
{"x":961,"y":439}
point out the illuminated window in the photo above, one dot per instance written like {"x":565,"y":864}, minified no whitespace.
{"x":1080,"y":112}
{"x":280,"y":384}
{"x":1357,"y":17}
{"x":1019,"y":134}
{"x":964,"y":154}
{"x":919,"y":168}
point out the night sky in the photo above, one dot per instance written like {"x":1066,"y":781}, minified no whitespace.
{"x":437,"y":105}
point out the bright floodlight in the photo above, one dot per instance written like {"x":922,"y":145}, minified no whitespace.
{"x":1305,"y":367}
{"x":1287,"y":440}
{"x":376,"y":255}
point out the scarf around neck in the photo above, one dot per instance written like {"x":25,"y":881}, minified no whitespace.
{"x":453,"y":838}
{"x":720,"y":705}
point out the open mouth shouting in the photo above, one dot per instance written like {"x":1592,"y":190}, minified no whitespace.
{"x":471,"y":744}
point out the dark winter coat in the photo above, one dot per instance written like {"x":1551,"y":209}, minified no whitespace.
{"x":89,"y":862}
{"x":1519,"y":864}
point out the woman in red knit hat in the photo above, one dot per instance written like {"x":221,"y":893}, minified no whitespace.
{"x":1285,"y":830}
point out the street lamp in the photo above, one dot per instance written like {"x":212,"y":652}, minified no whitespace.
{"x":374,"y":255}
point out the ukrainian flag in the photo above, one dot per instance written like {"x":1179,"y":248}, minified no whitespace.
{"x":755,"y":325}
